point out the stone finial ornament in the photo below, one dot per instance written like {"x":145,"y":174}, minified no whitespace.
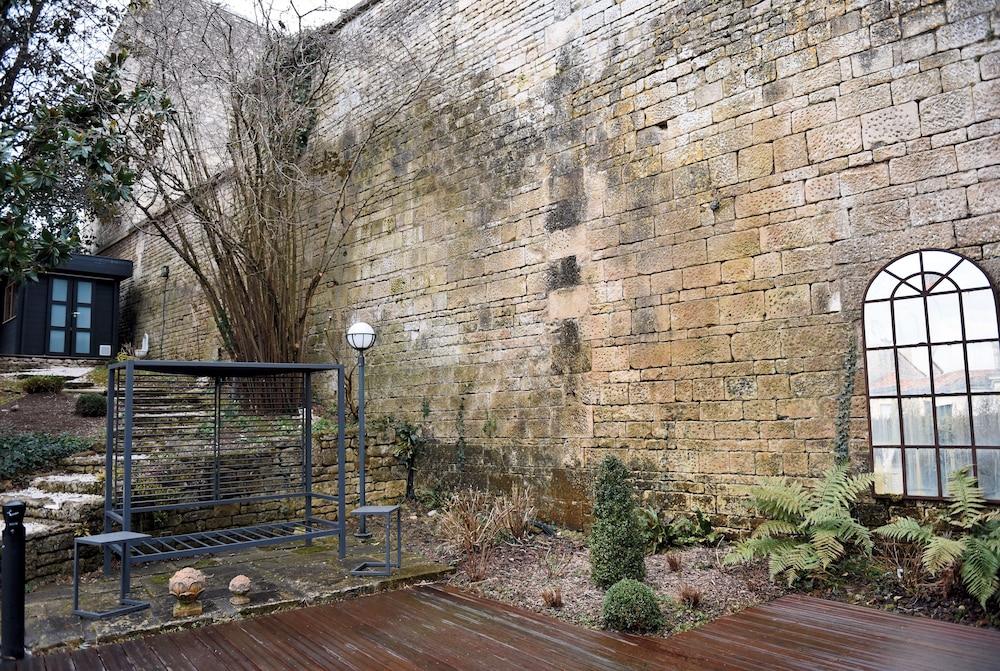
{"x":187,"y":585}
{"x":240,"y":587}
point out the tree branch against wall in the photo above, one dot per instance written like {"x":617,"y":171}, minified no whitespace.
{"x":236,"y":212}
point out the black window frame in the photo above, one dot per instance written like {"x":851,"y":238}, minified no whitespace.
{"x":932,"y":394}
{"x":10,"y":302}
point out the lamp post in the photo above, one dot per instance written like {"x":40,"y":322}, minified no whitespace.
{"x":361,"y":336}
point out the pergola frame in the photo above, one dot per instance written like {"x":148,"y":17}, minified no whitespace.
{"x":184,"y":466}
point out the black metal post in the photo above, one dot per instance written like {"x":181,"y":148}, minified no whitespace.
{"x":307,"y":448}
{"x":12,"y":583}
{"x":341,"y":463}
{"x":362,"y":531}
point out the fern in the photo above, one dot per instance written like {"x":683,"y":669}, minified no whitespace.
{"x":805,"y":530}
{"x":965,"y":536}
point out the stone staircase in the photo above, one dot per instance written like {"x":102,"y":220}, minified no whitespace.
{"x":60,"y":506}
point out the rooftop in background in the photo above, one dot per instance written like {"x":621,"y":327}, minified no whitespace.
{"x":223,"y":368}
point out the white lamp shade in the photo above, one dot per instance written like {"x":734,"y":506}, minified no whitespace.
{"x":360,"y":336}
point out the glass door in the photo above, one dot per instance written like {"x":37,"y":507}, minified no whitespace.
{"x":71,"y":316}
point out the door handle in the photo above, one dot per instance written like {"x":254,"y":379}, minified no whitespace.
{"x":75,"y":314}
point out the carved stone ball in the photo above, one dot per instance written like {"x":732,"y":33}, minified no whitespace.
{"x":187,"y":584}
{"x":240,"y":587}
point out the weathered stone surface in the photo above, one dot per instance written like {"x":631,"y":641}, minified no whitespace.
{"x":619,"y":237}
{"x":890,"y":125}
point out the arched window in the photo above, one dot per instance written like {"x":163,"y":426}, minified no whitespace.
{"x":932,"y":352}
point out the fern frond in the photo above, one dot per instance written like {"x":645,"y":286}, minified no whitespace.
{"x":826,"y":547}
{"x":906,"y":529}
{"x":854,"y":532}
{"x":940,"y":553}
{"x":979,"y":570}
{"x":968,"y":502}
{"x":754,"y":548}
{"x":780,"y":499}
{"x":774,"y":528}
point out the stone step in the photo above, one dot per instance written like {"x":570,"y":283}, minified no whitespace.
{"x":48,"y":507}
{"x":70,"y":483}
{"x":84,"y":462}
{"x":76,"y":391}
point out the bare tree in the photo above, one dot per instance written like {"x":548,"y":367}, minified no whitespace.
{"x":234,"y":211}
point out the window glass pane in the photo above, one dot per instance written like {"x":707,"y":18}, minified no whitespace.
{"x":82,"y":342}
{"x":59,"y":289}
{"x":885,"y":421}
{"x":914,"y":371}
{"x":968,"y":276}
{"x":945,"y":318}
{"x":881,"y":372}
{"x":988,"y":465}
{"x":881,"y":286}
{"x":878,"y":324}
{"x":921,"y":473}
{"x":911,"y":325}
{"x":57,"y":341}
{"x":888,"y":467}
{"x":980,"y":311}
{"x":904,"y":290}
{"x":936,"y":261}
{"x":953,"y":420}
{"x":949,"y":368}
{"x":984,"y":366}
{"x":84,"y":291}
{"x":918,"y":422}
{"x":952,"y":461}
{"x":944,"y":286}
{"x":83,"y":317}
{"x":57,"y":316}
{"x":905,"y":266}
{"x":986,"y":419}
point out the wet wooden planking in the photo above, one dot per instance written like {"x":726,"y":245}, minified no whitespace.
{"x":444,"y":628}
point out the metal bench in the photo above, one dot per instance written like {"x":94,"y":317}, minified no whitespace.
{"x":125,"y":540}
{"x":387,"y":513}
{"x":192,"y":435}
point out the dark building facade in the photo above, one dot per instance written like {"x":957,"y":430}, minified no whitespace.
{"x":71,"y":311}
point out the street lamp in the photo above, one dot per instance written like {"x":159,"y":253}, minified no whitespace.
{"x":361,"y":336}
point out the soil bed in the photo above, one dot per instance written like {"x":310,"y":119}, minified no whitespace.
{"x":48,"y":413}
{"x":519,"y":572}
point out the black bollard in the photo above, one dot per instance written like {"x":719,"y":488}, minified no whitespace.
{"x":12,"y":584}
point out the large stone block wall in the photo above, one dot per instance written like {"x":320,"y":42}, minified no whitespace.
{"x":642,"y":228}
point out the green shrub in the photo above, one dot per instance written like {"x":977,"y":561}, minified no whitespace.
{"x":91,"y":405}
{"x":964,"y":537}
{"x":23,"y":453}
{"x":42,"y":384}
{"x":805,"y":530}
{"x":616,"y":541}
{"x":660,"y":532}
{"x":99,"y":376}
{"x":631,"y":606}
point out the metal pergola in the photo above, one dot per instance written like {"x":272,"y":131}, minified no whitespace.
{"x":184,"y":435}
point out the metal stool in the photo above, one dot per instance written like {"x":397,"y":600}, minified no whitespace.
{"x":383,"y":568}
{"x":128,"y":605}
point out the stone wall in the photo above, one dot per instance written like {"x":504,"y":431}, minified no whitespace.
{"x":640,"y":228}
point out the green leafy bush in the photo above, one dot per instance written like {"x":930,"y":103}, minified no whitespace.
{"x":963,"y":537}
{"x":23,"y":453}
{"x":42,"y":384}
{"x":805,"y":530}
{"x":91,"y":405}
{"x":660,"y":532}
{"x":616,"y":541}
{"x":631,"y":606}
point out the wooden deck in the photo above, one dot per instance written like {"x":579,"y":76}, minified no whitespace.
{"x":442,"y":628}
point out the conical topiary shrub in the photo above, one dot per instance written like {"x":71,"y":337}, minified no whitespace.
{"x":616,"y":543}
